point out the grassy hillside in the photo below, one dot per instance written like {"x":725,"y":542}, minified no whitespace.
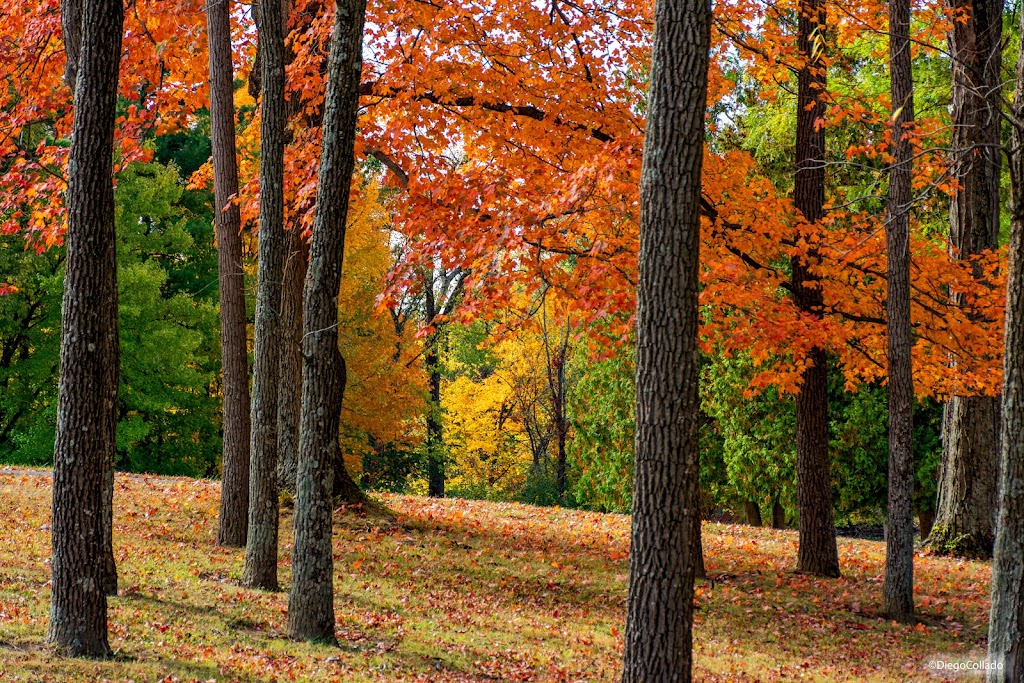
{"x":464,"y":591}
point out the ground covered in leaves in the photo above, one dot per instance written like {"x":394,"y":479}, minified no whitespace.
{"x":464,"y":591}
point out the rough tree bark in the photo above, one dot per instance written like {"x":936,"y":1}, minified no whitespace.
{"x":1006,"y":619}
{"x":311,"y":600}
{"x":261,"y":543}
{"x":968,"y":475}
{"x":234,"y":492}
{"x":898,"y":589}
{"x":818,"y":553}
{"x":289,"y":399}
{"x":89,"y":365}
{"x":666,"y":504}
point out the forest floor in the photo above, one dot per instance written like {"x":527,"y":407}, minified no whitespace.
{"x":465,"y":591}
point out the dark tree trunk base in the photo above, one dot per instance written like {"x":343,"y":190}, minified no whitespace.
{"x":778,"y":516}
{"x":943,"y":541}
{"x":752,"y":511}
{"x":345,"y":488}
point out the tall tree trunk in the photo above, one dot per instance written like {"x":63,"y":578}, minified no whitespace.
{"x":818,"y":553}
{"x":435,"y":427}
{"x":89,"y":366}
{"x":234,"y":492}
{"x":556,"y":372}
{"x":261,"y":544}
{"x":666,"y":503}
{"x":311,"y":600}
{"x":289,"y":406}
{"x":1006,"y":619}
{"x":965,"y":514}
{"x":898,"y":590}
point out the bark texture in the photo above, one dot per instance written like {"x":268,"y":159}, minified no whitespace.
{"x":898,"y":589}
{"x":311,"y":600}
{"x":289,"y":399}
{"x":965,"y":513}
{"x":261,"y":543}
{"x":1006,"y":619}
{"x":89,"y":365}
{"x":818,"y":553}
{"x":71,"y":29}
{"x":234,"y":493}
{"x":666,"y":505}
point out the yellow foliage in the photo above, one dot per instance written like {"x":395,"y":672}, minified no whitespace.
{"x":496,"y":423}
{"x":386,"y":391}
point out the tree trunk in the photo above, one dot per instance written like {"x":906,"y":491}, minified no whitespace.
{"x":818,"y":553}
{"x":778,"y":516}
{"x":965,"y":513}
{"x":289,"y":406}
{"x":898,"y":590}
{"x":261,"y":544}
{"x":752,"y":511}
{"x":1006,"y":619}
{"x":89,"y":365}
{"x":699,"y":572}
{"x":968,"y":478}
{"x":345,"y":488}
{"x":234,"y":492}
{"x":556,"y":370}
{"x":925,"y":520}
{"x":109,"y":563}
{"x":435,"y":427}
{"x":666,"y":504}
{"x":311,"y":600}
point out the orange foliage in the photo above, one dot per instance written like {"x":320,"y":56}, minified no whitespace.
{"x":515,"y":132}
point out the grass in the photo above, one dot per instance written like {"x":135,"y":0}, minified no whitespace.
{"x":464,"y":591}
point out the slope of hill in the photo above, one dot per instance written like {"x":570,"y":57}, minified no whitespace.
{"x":464,"y":591}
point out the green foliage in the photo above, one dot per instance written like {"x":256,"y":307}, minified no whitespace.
{"x":860,"y":449}
{"x":168,"y":408}
{"x":602,"y":403}
{"x":29,"y":351}
{"x":388,"y":467}
{"x":169,"y":413}
{"x":757,"y":435}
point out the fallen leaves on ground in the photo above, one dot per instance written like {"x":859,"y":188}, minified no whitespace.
{"x":453,"y":590}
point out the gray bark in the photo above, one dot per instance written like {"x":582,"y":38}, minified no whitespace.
{"x":311,"y":599}
{"x":1006,"y":619}
{"x":898,"y":589}
{"x":261,"y":543}
{"x":289,"y":405}
{"x":666,"y":505}
{"x":233,"y":522}
{"x":90,"y":350}
{"x":965,"y":511}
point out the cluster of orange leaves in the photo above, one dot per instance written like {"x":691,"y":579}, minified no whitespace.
{"x":513,"y":134}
